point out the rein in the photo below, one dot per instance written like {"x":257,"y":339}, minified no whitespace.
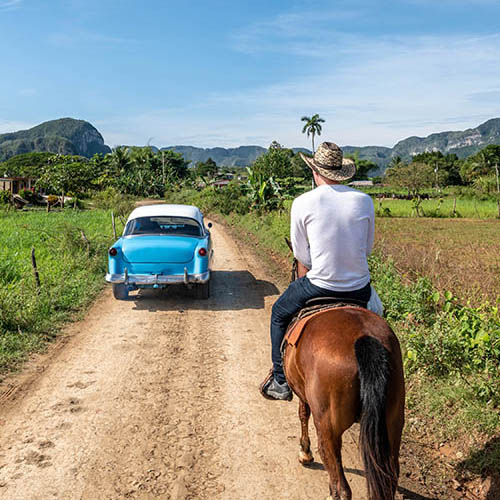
{"x":295,"y":264}
{"x":294,"y":270}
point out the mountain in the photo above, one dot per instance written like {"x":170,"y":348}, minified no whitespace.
{"x":69,"y":136}
{"x":64,"y":136}
{"x":462,"y":143}
{"x":231,"y":157}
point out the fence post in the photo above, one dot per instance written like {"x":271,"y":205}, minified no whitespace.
{"x":498,"y":190}
{"x":113,"y":224}
{"x":86,"y":240}
{"x":35,"y":269}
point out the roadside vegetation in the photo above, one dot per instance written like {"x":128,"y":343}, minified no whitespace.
{"x":69,"y":249}
{"x":436,"y":264}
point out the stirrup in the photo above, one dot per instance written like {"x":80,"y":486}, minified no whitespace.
{"x":266,"y":382}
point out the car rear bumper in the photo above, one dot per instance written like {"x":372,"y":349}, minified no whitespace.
{"x":157,"y":279}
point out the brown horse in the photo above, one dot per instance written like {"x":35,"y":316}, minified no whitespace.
{"x":347,"y":368}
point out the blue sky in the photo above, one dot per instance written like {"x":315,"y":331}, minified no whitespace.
{"x":226,"y":73}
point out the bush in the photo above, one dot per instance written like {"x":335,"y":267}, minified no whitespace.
{"x":111,"y":199}
{"x":5,"y":198}
{"x":27,"y":194}
{"x":442,"y":338}
{"x":52,"y":199}
{"x":463,"y":342}
{"x":231,"y":199}
{"x":226,"y":200}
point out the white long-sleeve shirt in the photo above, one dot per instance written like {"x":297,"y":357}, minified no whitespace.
{"x":332,"y":229}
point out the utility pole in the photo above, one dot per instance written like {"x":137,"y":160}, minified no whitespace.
{"x":163,"y":166}
{"x":436,"y":170}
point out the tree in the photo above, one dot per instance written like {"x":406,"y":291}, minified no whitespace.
{"x":312,"y":126}
{"x":63,"y":174}
{"x":300,"y":167}
{"x":396,"y":162}
{"x":446,"y":167}
{"x":363,"y":167}
{"x":103,"y":171}
{"x":482,"y":163}
{"x":414,"y":177}
{"x":120,"y":160}
{"x":141,"y":171}
{"x":276,"y":162}
{"x":207,"y":168}
{"x":27,"y":164}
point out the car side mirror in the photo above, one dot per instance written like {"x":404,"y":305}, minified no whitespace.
{"x":209,"y":225}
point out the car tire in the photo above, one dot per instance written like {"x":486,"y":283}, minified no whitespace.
{"x":202,"y":290}
{"x":120,"y":291}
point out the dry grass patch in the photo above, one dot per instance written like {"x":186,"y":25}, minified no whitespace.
{"x":460,"y":255}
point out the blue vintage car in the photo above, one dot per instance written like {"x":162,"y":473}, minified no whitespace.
{"x":162,"y":245}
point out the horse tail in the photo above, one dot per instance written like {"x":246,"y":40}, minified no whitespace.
{"x":374,"y":372}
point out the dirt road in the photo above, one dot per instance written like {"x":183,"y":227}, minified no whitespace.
{"x":156,"y":397}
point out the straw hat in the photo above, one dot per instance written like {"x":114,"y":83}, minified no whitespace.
{"x":329,"y":162}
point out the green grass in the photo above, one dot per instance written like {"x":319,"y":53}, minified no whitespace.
{"x":437,"y":207}
{"x":71,"y":273}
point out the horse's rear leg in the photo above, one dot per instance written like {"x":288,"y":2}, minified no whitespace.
{"x":305,"y":455}
{"x":330,"y":443}
{"x":395,"y":425}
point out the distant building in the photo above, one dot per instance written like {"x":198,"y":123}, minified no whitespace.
{"x":15,"y":184}
{"x":221,"y":183}
{"x":361,"y":183}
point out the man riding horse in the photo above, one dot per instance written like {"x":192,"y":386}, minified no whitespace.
{"x":332,"y":230}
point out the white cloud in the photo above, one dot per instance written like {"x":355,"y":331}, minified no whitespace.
{"x":300,"y":33}
{"x":9,"y":4}
{"x":79,"y":38}
{"x":370,"y":90}
{"x":11,"y":126}
{"x":388,"y":89}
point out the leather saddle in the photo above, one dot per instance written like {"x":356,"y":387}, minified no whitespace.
{"x":313,"y":307}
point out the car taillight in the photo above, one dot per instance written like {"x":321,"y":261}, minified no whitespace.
{"x":202,"y":252}
{"x":113,"y":251}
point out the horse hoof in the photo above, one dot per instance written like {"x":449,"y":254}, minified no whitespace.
{"x":305,"y":458}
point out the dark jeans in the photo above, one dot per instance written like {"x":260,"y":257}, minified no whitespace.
{"x":292,"y":300}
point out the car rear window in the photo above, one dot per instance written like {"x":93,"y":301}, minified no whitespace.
{"x":181,"y":226}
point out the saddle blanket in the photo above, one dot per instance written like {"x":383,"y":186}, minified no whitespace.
{"x":296,"y":327}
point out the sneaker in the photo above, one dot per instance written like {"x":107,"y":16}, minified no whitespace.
{"x":272,"y":389}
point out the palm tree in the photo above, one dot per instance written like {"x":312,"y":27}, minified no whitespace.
{"x":120,"y":159}
{"x":312,"y":126}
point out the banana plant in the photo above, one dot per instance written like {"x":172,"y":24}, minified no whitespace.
{"x":264,"y":193}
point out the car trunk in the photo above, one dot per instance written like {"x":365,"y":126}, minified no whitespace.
{"x":159,"y":249}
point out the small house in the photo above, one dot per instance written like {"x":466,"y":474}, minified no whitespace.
{"x":15,"y":184}
{"x":221,"y":183}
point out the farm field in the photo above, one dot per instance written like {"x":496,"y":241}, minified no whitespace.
{"x":459,"y":255}
{"x":70,"y":250}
